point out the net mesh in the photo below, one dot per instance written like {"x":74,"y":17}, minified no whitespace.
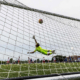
{"x":13,"y":2}
{"x":17,"y":27}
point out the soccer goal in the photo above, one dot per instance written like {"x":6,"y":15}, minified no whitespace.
{"x":18,"y":25}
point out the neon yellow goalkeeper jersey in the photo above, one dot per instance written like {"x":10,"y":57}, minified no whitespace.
{"x":43,"y":51}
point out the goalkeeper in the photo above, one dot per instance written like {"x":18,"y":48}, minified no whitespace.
{"x":41,"y":50}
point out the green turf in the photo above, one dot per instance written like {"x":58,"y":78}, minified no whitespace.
{"x":22,"y":70}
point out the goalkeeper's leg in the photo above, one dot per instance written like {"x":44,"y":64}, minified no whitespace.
{"x":52,"y":51}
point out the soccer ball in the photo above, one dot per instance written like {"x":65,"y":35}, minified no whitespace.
{"x":40,"y":21}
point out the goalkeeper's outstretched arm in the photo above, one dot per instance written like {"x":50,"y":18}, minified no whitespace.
{"x":31,"y":52}
{"x":34,"y":39}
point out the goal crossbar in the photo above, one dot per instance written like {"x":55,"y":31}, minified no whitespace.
{"x":36,"y":10}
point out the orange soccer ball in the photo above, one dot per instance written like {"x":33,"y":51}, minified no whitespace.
{"x":40,"y":21}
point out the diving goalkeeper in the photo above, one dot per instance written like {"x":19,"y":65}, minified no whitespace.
{"x":41,"y":50}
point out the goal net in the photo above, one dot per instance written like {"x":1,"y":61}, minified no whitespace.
{"x":18,"y":24}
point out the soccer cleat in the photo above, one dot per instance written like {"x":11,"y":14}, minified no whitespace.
{"x":53,"y":52}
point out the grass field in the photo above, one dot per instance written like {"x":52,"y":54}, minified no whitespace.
{"x":22,"y":70}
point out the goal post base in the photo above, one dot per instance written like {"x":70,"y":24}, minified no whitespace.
{"x":52,"y":76}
